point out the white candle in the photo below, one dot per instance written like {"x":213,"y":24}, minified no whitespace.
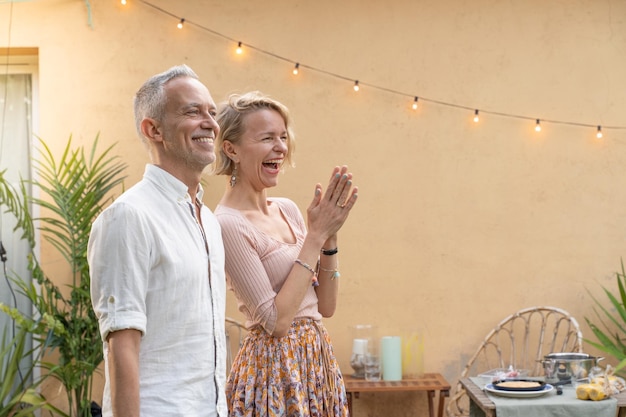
{"x":359,"y":346}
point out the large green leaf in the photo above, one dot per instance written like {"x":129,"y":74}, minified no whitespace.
{"x":18,"y":387}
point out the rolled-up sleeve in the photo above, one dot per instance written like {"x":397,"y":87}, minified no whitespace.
{"x":119,"y":270}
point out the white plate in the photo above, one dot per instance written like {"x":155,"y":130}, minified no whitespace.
{"x":519,"y":394}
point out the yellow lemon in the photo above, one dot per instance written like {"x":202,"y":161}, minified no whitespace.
{"x":583,"y":390}
{"x":597,"y":393}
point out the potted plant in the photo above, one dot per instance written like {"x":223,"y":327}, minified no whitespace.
{"x":74,"y":190}
{"x":611,"y":328}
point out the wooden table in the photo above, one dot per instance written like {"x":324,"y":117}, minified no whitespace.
{"x":482,"y":400}
{"x":479,"y":397}
{"x":431,"y":383}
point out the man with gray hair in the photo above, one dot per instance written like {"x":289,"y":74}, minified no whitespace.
{"x":156,"y":259}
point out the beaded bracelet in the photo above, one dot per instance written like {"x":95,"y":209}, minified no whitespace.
{"x":311,"y":270}
{"x":335,"y":272}
{"x":329,"y":252}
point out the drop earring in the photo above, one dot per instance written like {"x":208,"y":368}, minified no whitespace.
{"x":233,"y":177}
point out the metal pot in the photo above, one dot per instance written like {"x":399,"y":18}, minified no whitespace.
{"x":564,"y":366}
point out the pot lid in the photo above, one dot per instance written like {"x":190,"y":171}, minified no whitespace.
{"x":568,"y":355}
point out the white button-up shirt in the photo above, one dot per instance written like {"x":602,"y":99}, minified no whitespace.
{"x":155,"y":269}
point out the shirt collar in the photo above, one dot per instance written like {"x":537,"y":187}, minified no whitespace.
{"x":170,"y":184}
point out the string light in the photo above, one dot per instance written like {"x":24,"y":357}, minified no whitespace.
{"x":123,"y":2}
{"x":538,"y":126}
{"x":599,"y":133}
{"x":295,"y":69}
{"x":356,"y":84}
{"x":415,"y":103}
{"x":181,"y":23}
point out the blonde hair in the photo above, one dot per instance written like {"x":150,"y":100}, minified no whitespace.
{"x":230,"y":118}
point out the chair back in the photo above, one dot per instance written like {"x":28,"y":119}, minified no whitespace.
{"x":521,"y":340}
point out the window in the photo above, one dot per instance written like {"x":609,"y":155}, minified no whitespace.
{"x":18,"y":116}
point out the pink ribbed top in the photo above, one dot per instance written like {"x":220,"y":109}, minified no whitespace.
{"x":257,"y":264}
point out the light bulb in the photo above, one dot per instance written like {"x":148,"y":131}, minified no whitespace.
{"x":239,"y":49}
{"x":415,"y":103}
{"x":181,"y":23}
{"x":356,"y":85}
{"x":538,"y":126}
{"x":476,"y":118}
{"x":295,"y":69}
{"x":599,"y":133}
{"x":123,"y":2}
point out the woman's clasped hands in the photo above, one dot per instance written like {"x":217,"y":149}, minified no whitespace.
{"x":329,"y":210}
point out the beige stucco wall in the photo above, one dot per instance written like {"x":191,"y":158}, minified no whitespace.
{"x":458,"y":224}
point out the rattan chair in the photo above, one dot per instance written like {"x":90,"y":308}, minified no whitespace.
{"x":521,"y":340}
{"x":235,"y":332}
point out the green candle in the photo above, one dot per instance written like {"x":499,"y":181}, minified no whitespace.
{"x":392,"y":358}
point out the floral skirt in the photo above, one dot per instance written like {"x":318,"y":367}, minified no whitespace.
{"x":292,"y":376}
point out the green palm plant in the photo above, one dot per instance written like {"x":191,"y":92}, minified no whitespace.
{"x":17,"y":393}
{"x":18,"y":387}
{"x":611,"y":330}
{"x":74,"y":190}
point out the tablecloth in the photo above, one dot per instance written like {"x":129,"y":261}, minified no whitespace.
{"x":548,"y":405}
